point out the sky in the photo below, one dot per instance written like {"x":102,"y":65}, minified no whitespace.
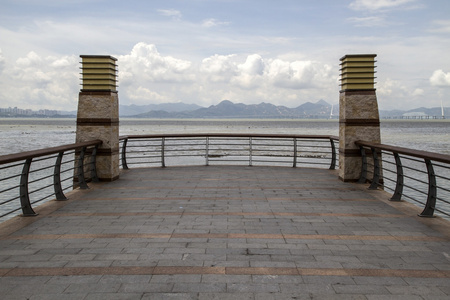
{"x":284,"y":52}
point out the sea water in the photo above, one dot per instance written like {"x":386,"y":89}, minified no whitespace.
{"x":18,"y":135}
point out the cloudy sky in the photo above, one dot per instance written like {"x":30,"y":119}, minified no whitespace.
{"x":284,"y":52}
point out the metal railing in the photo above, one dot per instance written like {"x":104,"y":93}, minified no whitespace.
{"x":407,"y":173}
{"x":247,"y":149}
{"x":34,"y":176}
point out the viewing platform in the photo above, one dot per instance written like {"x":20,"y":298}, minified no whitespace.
{"x":258,"y":216}
{"x":225,"y":232}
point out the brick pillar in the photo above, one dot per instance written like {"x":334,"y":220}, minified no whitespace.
{"x":358,"y":112}
{"x":98,"y":113}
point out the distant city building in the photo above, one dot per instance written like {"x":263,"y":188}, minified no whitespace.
{"x":17,"y":112}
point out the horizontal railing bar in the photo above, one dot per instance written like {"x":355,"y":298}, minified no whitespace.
{"x":4,"y":159}
{"x":11,"y":177}
{"x":11,"y":166}
{"x":417,"y":190}
{"x":40,"y":189}
{"x":230,"y":135}
{"x":442,"y":177}
{"x":9,"y":200}
{"x":413,"y":199}
{"x":442,"y":212}
{"x":46,"y":157}
{"x":42,"y":199}
{"x":184,"y":155}
{"x":415,"y":179}
{"x":66,"y":179}
{"x":390,"y":171}
{"x":11,"y":188}
{"x":41,"y":169}
{"x":67,"y":170}
{"x":388,"y":162}
{"x":389,"y":179}
{"x":39,"y":179}
{"x":420,"y":161}
{"x":10,"y":212}
{"x":229,"y":160}
{"x":444,"y":189}
{"x":410,"y":152}
{"x":443,"y":200}
{"x":415,"y":170}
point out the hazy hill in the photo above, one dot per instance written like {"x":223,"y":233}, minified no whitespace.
{"x":228,"y":109}
{"x":130,"y":110}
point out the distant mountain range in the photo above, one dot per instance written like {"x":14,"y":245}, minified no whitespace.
{"x":131,"y":110}
{"x":227,"y":109}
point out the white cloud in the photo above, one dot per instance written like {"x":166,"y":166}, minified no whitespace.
{"x":219,"y":68}
{"x":250,"y":72}
{"x":142,"y":95}
{"x":440,"y":78}
{"x":213,"y":22}
{"x":418,"y":92}
{"x":441,"y":26}
{"x":362,"y":5}
{"x":256,"y":72}
{"x":144,"y":73}
{"x":300,"y":74}
{"x":145,"y":63}
{"x":372,"y":21}
{"x":174,"y":14}
{"x":2,"y":61}
{"x":40,"y":82}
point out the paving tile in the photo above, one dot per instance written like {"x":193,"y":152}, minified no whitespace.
{"x":226,"y":233}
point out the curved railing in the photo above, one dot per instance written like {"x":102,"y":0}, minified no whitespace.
{"x":411,"y":174}
{"x":27,"y":178}
{"x":223,"y":148}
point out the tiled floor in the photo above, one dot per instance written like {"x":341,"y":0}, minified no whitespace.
{"x":225,"y":233}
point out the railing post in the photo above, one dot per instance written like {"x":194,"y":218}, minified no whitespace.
{"x":81,"y":177}
{"x":27,"y":210}
{"x":57,"y":178}
{"x":250,"y":162}
{"x":363,"y":176}
{"x":333,"y":155}
{"x":376,"y":170}
{"x":397,"y":196}
{"x":124,"y":154}
{"x":163,"y":162}
{"x":294,"y":165}
{"x":94,"y":176}
{"x":207,"y":151}
{"x":432,"y":191}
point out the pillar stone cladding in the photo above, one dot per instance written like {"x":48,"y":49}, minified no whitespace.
{"x":358,"y":112}
{"x":98,"y":113}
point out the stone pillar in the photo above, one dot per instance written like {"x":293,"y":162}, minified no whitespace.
{"x":98,"y":112}
{"x":358,"y":112}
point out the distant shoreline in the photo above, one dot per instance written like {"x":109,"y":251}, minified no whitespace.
{"x":225,"y":119}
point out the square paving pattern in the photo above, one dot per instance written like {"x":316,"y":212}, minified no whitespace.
{"x":225,"y":232}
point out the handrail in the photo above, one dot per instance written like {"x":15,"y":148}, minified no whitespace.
{"x":412,"y":171}
{"x":181,"y":135}
{"x":4,"y":159}
{"x":238,"y":147}
{"x":47,"y":174}
{"x":406,"y":151}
